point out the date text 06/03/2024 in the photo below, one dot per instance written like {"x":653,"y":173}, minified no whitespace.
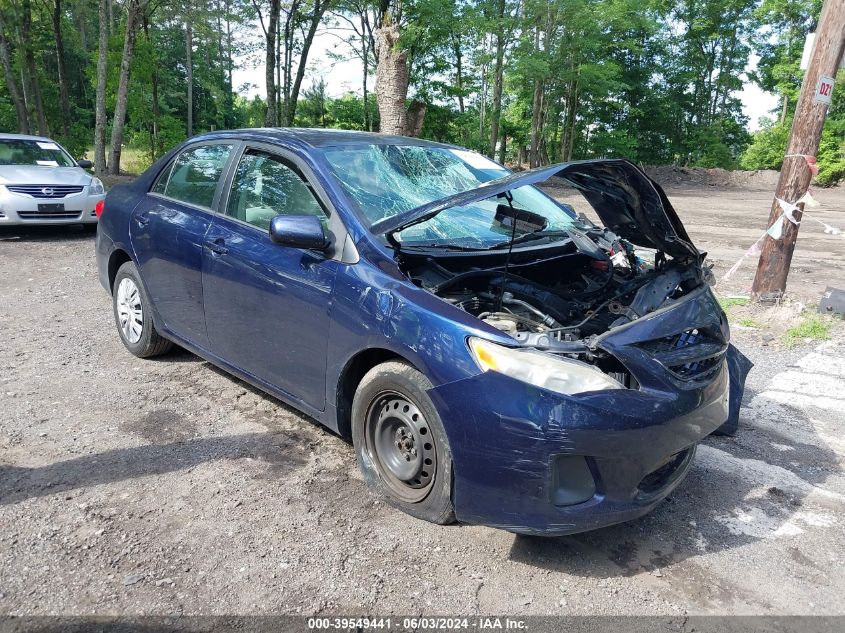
{"x":416,"y":623}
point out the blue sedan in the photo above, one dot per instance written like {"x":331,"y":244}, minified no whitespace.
{"x":494,"y":357}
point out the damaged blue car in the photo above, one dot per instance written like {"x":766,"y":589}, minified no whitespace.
{"x":494,"y":356}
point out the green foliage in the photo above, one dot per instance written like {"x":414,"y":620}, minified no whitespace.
{"x":813,"y":327}
{"x":650,"y":80}
{"x":767,"y":148}
{"x":728,"y":302}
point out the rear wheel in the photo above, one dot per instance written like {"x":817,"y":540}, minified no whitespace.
{"x":400,"y":442}
{"x":133,"y":315}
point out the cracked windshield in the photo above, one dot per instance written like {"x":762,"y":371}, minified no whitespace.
{"x":388,"y":179}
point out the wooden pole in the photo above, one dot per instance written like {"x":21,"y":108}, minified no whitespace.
{"x":795,"y":175}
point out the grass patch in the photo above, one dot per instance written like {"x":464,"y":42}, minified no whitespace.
{"x":813,"y":326}
{"x":746,"y":322}
{"x":730,"y":302}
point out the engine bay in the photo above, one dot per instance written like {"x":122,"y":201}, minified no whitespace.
{"x":561,"y":295}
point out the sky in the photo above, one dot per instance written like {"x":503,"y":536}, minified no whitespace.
{"x":345,"y":76}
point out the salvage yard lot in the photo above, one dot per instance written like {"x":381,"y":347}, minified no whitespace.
{"x":167,"y":487}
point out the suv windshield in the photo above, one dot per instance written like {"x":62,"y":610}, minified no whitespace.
{"x":384,"y":180}
{"x":30,"y":152}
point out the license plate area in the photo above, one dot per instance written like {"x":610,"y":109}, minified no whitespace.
{"x":51,"y":208}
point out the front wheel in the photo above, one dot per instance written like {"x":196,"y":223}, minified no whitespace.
{"x":400,"y":442}
{"x":133,"y":315}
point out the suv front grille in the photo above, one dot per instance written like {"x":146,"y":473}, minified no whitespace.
{"x":45,"y":191}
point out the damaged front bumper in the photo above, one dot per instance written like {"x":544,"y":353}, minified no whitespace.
{"x":532,"y":461}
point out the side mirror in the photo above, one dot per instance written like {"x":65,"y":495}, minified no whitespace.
{"x":300,"y":231}
{"x":85,"y":164}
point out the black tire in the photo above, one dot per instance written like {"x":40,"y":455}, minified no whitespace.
{"x":150,"y":343}
{"x":387,"y":399}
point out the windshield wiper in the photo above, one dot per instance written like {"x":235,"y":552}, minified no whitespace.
{"x":442,"y":247}
{"x":529,"y":237}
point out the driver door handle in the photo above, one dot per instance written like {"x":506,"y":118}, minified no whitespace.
{"x":218,"y":246}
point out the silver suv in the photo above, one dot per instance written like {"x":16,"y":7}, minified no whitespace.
{"x":41,"y":184}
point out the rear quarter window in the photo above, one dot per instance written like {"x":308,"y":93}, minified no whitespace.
{"x":193,"y":176}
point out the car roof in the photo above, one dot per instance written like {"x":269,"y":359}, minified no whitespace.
{"x":320,"y":137}
{"x":24,"y":137}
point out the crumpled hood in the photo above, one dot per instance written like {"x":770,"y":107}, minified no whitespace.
{"x":40,"y":175}
{"x":628,"y":202}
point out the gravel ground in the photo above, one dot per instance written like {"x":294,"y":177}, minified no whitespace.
{"x":168,"y":487}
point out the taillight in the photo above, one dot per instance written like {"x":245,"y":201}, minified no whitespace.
{"x":100,"y":207}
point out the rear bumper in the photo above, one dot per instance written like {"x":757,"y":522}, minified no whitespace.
{"x":509,"y":440}
{"x":20,"y":209}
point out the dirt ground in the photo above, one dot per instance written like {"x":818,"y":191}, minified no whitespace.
{"x":168,"y":487}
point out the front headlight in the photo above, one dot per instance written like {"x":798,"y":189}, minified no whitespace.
{"x":562,"y":375}
{"x":96,"y":187}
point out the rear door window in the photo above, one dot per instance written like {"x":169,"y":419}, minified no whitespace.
{"x":194,"y":174}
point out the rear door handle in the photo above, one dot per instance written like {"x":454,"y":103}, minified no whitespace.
{"x":217,"y":246}
{"x":142,"y":219}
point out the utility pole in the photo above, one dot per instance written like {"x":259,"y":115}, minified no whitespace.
{"x":795,"y":175}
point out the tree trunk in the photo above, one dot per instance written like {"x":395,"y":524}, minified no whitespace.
{"x":270,"y":64}
{"x":536,"y":121}
{"x":100,"y":117}
{"x":154,"y":131}
{"x":189,"y":70}
{"x":119,"y":121}
{"x":316,"y":18}
{"x":567,"y":137}
{"x":365,"y":56}
{"x":11,"y":83}
{"x":414,"y":119}
{"x":391,"y":80}
{"x":31,"y":69}
{"x":60,"y":65}
{"x":459,"y":74}
{"x":498,"y":76}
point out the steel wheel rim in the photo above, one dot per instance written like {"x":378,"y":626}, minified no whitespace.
{"x":400,"y":445}
{"x":130,"y":314}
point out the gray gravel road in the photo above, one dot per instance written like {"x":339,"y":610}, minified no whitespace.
{"x":168,"y":487}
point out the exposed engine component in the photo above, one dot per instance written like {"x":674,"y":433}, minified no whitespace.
{"x":561,"y":297}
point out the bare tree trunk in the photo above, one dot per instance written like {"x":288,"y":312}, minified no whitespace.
{"x":281,"y":82}
{"x":365,"y":50}
{"x":31,"y":69}
{"x":498,"y":77}
{"x":100,"y":117}
{"x":119,"y":121}
{"x":316,"y":18}
{"x":414,"y":119}
{"x":459,"y":74}
{"x":229,"y":68}
{"x":11,"y":83}
{"x":536,"y":119}
{"x":154,"y":131}
{"x":391,"y":80}
{"x":189,"y":70}
{"x":567,"y":137}
{"x":270,"y":64}
{"x":60,"y":65}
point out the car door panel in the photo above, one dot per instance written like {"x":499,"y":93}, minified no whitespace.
{"x":267,"y":306}
{"x":167,"y":230}
{"x":167,"y":238}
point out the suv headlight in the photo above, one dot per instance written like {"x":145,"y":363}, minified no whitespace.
{"x":96,"y":187}
{"x":562,"y":375}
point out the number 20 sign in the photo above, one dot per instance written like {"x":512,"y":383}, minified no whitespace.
{"x":824,"y":89}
